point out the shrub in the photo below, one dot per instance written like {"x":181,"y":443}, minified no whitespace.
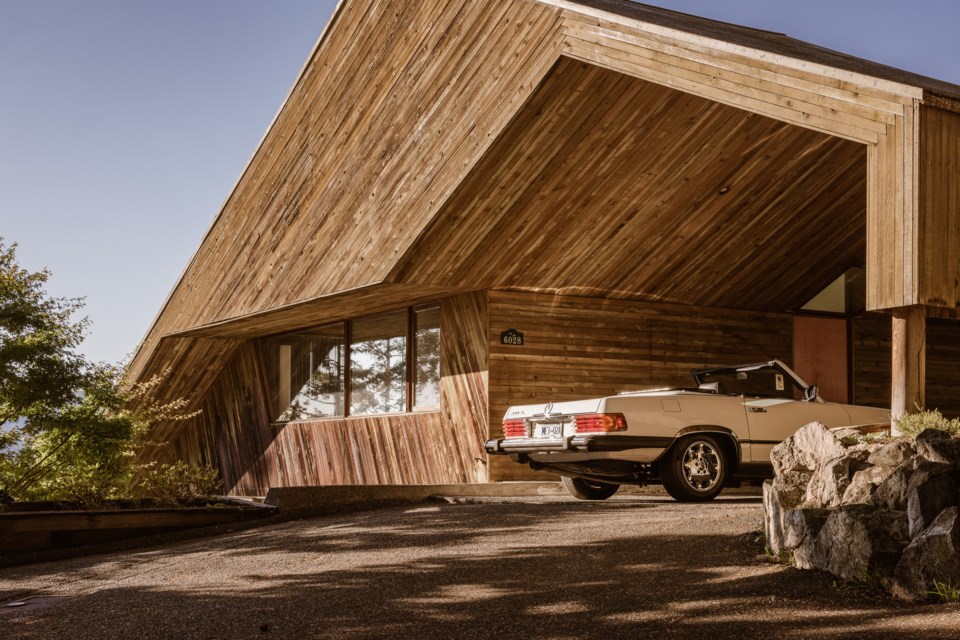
{"x":912,"y":424}
{"x":176,"y":483}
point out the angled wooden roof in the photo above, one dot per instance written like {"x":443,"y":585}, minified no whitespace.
{"x":595,"y":146}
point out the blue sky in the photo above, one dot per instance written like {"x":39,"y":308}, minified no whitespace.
{"x":125,"y":123}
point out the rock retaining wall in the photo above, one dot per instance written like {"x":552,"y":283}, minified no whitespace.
{"x":882,"y":513}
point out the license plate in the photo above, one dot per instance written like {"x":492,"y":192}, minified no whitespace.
{"x":548,"y":430}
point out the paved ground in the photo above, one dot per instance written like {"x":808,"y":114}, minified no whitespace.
{"x":635,"y":566}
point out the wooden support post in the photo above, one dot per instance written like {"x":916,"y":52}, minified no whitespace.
{"x":909,"y":370}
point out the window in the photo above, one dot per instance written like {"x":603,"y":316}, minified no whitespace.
{"x":754,"y":382}
{"x":309,"y":380}
{"x":387,"y":363}
{"x":378,"y":364}
{"x":426,"y":371}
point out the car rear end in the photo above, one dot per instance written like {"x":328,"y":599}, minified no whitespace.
{"x":556,"y":427}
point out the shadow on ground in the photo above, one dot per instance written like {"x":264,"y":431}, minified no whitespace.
{"x":612,"y":570}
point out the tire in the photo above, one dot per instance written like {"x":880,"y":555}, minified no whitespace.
{"x":588,"y":489}
{"x":695,"y":469}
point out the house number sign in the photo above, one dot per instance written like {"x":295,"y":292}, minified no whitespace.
{"x":512,"y":337}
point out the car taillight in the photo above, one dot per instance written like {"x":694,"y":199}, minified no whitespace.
{"x":514,"y":429}
{"x":600,"y":422}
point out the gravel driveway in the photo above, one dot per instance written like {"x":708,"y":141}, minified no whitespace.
{"x":634,"y":566}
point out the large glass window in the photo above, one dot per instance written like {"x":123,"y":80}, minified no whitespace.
{"x":309,"y":373}
{"x":426,"y":350}
{"x":378,"y":364}
{"x":387,"y":363}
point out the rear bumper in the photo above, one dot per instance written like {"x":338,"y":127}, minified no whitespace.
{"x":590,"y":443}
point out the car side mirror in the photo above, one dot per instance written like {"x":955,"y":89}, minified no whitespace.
{"x":810,"y":394}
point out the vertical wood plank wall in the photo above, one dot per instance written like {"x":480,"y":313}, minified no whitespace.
{"x":939,"y":206}
{"x":444,"y":446}
{"x":870,"y":343}
{"x":578,"y":347}
{"x":943,"y":366}
{"x":464,"y":395}
{"x":871,"y":363}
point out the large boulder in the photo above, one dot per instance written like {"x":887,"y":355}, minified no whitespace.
{"x":801,"y":530}
{"x":883,"y":513}
{"x":892,"y":454}
{"x":864,"y":483}
{"x":772,"y":520}
{"x":938,"y":446}
{"x":858,"y":542}
{"x":790,"y":532}
{"x":932,"y":557}
{"x":933,"y":488}
{"x":834,"y":478}
{"x":796,"y":463}
{"x":806,"y":449}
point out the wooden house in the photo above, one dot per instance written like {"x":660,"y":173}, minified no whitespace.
{"x":465,"y":205}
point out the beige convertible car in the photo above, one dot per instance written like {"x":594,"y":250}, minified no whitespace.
{"x":695,"y":441}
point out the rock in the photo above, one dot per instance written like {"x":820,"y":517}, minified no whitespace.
{"x":863,"y":485}
{"x":933,"y":488}
{"x":772,"y":519}
{"x":805,"y":449}
{"x":800,"y":530}
{"x":939,"y":446}
{"x":882,"y":513}
{"x":791,"y":488}
{"x":833,"y":480}
{"x":934,"y":555}
{"x":859,"y":543}
{"x":893,"y":454}
{"x":790,"y":530}
{"x":892,"y":492}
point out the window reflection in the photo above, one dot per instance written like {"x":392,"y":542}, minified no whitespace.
{"x":309,"y":374}
{"x":427,"y":357}
{"x":378,"y":364}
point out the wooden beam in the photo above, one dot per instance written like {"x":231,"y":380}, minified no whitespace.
{"x":909,"y":366}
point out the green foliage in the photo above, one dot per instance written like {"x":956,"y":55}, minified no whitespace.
{"x":69,"y":429}
{"x":945,"y":592}
{"x":912,"y":424}
{"x":38,"y":367}
{"x":176,"y":483}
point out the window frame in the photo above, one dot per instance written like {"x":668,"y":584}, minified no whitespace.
{"x":410,"y":317}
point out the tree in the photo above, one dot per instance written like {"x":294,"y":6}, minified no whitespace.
{"x":67,"y":429}
{"x":38,"y":365}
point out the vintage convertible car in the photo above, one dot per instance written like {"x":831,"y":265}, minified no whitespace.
{"x":694,"y":441}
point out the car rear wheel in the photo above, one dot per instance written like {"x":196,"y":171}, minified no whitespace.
{"x":695,"y":469}
{"x":588,"y":489}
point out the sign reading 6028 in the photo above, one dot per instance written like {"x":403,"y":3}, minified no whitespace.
{"x":511,"y":337}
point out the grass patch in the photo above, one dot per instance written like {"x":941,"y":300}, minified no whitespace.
{"x":945,"y":592}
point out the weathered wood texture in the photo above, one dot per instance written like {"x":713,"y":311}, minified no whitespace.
{"x":943,"y":366}
{"x":872,"y":362}
{"x":464,"y":391}
{"x":235,"y":433}
{"x":908,"y":350}
{"x":641,"y":191}
{"x":939,"y":195}
{"x":790,"y":57}
{"x":394,"y":106}
{"x":870,"y":359}
{"x":579,"y":347}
